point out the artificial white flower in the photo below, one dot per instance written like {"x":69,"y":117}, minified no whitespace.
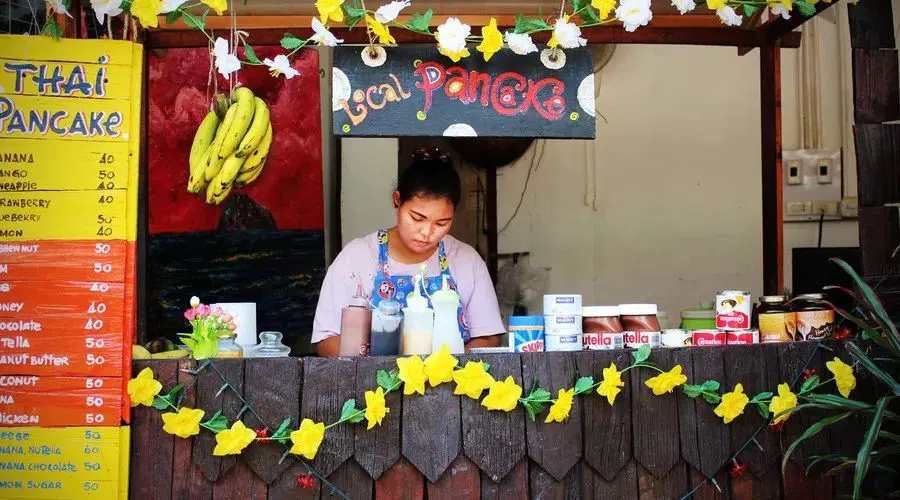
{"x":59,"y":7}
{"x":519,"y":43}
{"x":171,"y":5}
{"x":389,"y":12}
{"x":634,"y":13}
{"x":103,"y":8}
{"x":281,"y":66}
{"x":779,"y":8}
{"x":322,"y":36}
{"x":568,"y":34}
{"x":728,"y":16}
{"x":451,"y":36}
{"x":684,"y":6}
{"x":195,"y":302}
{"x":226,"y":62}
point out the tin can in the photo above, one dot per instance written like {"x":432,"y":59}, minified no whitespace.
{"x":603,"y":341}
{"x":708,"y":337}
{"x":676,"y":338}
{"x":562,"y":305}
{"x":742,"y":337}
{"x":562,"y":342}
{"x":638,"y":339}
{"x":733,"y":309}
{"x":562,"y":325}
{"x":526,"y":333}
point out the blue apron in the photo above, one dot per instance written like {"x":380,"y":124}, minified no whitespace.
{"x":389,"y":286}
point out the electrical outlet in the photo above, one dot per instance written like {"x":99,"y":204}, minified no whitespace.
{"x":830,"y":208}
{"x":850,"y":207}
{"x":823,"y":170}
{"x":799,"y":208}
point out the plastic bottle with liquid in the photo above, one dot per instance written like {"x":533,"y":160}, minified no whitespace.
{"x":446,"y":324}
{"x":356,"y":325}
{"x":418,"y":322}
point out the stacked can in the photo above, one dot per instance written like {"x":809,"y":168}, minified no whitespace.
{"x":733,"y":312}
{"x":562,"y":322}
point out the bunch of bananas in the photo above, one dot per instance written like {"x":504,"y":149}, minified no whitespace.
{"x":230,"y":146}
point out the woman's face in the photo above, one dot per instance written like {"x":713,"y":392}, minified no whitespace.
{"x":423,"y":221}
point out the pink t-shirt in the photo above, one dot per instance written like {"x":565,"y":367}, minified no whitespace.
{"x":360,"y":258}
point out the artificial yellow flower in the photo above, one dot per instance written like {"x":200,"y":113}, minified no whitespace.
{"x":785,"y":400}
{"x":219,"y":6}
{"x":376,"y":408}
{"x":330,"y":10}
{"x":184,"y":424}
{"x":491,"y":40}
{"x":503,"y":395}
{"x":143,"y":388}
{"x":561,"y":408}
{"x":715,"y":4}
{"x":439,"y":366}
{"x":233,"y":441}
{"x":732,"y":404}
{"x":611,"y":383}
{"x":381,"y":31}
{"x":455,"y":56}
{"x":146,"y":11}
{"x":412,"y":373}
{"x":307,"y":438}
{"x":604,"y":7}
{"x":472,"y":380}
{"x":666,"y":381}
{"x":843,"y":376}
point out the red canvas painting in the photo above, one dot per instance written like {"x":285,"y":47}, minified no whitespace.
{"x":180,"y":90}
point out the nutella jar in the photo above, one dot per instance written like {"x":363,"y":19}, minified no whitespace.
{"x":602,"y":328}
{"x":640,"y":325}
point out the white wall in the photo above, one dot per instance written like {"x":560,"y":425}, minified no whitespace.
{"x":665,"y":205}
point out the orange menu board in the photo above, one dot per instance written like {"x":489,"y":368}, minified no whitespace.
{"x":69,"y":150}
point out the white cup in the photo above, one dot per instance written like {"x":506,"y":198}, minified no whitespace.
{"x":244,"y":314}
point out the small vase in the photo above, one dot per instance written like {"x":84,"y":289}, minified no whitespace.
{"x":229,"y":349}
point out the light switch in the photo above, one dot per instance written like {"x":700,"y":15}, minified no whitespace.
{"x":794,"y":172}
{"x":823,"y":167}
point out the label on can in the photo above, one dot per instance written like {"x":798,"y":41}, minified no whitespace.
{"x":637,"y":339}
{"x":733,"y":310}
{"x":562,"y":343}
{"x":777,"y":327}
{"x":526,"y":339}
{"x":744,"y":337}
{"x":562,"y":304}
{"x":675,"y":338}
{"x":708,"y":337}
{"x":814,"y":325}
{"x":603,"y":341}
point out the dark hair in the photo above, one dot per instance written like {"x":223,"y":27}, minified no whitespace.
{"x":431,"y":174}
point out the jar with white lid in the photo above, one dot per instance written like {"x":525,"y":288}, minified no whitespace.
{"x":641,"y":327}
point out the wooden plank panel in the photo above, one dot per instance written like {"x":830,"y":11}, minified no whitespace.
{"x":402,"y":480}
{"x":188,"y":482}
{"x":713,"y":446}
{"x":871,"y":25}
{"x":888,"y":290}
{"x":285,"y":486}
{"x":209,"y":383}
{"x":610,"y":450}
{"x":706,"y":490}
{"x":876,"y":85}
{"x":274,"y":398}
{"x":327,"y":383}
{"x":595,"y":486}
{"x":772,"y":189}
{"x":378,"y":449}
{"x":655,"y":420}
{"x":513,"y":486}
{"x":352,"y":480}
{"x":494,"y":440}
{"x":47,"y":49}
{"x":151,"y":447}
{"x":545,"y":487}
{"x":430,"y":451}
{"x":462,"y":480}
{"x":672,"y":485}
{"x":239,"y":483}
{"x":879,"y":237}
{"x":748,"y":487}
{"x":556,"y":446}
{"x":878,"y":162}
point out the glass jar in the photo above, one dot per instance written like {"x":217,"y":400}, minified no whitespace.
{"x":775,"y":320}
{"x":270,"y":346}
{"x":387,"y":321}
{"x":815,"y":319}
{"x":228,"y":348}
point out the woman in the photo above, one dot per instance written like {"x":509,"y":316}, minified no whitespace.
{"x":385,"y":261}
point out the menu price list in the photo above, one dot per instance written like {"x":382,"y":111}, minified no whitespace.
{"x":71,"y":462}
{"x":29,"y":400}
{"x":73,"y":260}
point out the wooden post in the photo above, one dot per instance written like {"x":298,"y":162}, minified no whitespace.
{"x":770,"y":123}
{"x":490,"y":215}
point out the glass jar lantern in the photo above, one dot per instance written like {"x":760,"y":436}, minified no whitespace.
{"x":228,"y":348}
{"x":270,"y":346}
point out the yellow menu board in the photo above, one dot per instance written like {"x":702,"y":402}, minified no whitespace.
{"x":71,"y":462}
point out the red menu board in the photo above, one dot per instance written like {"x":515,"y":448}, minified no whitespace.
{"x":69,"y":150}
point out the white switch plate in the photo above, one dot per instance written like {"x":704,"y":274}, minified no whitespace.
{"x":812,"y":181}
{"x":794,"y":172}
